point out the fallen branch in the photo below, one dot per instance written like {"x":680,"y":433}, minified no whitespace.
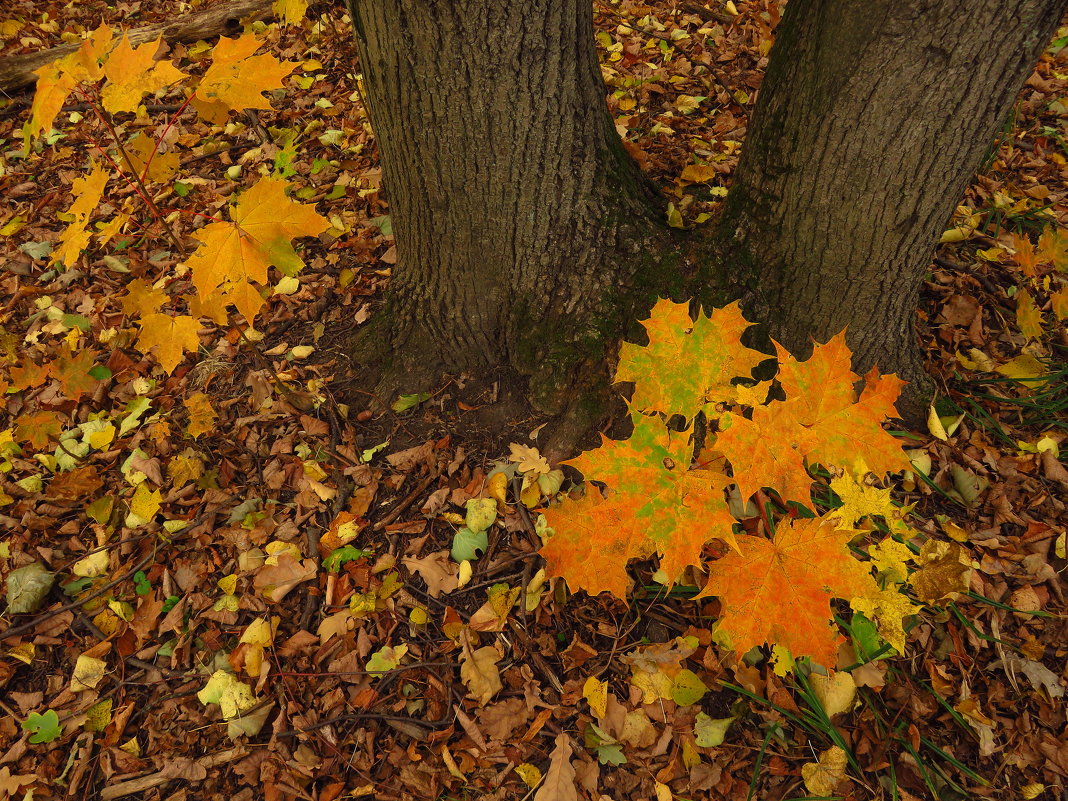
{"x":16,"y":72}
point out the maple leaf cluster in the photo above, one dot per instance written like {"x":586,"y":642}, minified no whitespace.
{"x":660,"y":500}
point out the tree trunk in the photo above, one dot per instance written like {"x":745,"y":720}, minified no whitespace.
{"x":521,"y":223}
{"x":870,"y":123}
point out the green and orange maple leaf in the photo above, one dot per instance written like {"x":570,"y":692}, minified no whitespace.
{"x":775,"y":590}
{"x":657,"y":503}
{"x":687,"y":363}
{"x":234,"y":254}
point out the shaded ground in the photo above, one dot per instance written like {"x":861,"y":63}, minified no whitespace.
{"x":264,"y":453}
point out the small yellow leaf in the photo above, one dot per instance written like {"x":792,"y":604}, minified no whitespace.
{"x":596,"y":693}
{"x":822,"y":778}
{"x":201,"y":415}
{"x":88,"y":672}
{"x":835,"y":692}
{"x":530,"y":774}
{"x":228,"y":584}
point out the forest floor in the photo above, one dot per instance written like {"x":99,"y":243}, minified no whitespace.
{"x":235,"y":518}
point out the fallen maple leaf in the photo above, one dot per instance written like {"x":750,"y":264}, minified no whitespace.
{"x":779,"y":591}
{"x":171,"y":336}
{"x":687,"y":363}
{"x":657,"y":505}
{"x":821,"y":420}
{"x":236,"y":79}
{"x":133,"y":73}
{"x":233,"y":254}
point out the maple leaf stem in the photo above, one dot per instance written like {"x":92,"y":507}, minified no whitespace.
{"x":140,"y":187}
{"x":162,"y":136}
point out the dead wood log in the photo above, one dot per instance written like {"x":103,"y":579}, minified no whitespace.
{"x":16,"y":72}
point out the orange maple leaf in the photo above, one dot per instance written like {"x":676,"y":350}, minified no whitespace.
{"x":171,"y":336}
{"x":657,"y":505}
{"x":38,"y":428}
{"x":133,"y":73}
{"x":236,"y":78}
{"x":779,"y":591}
{"x":72,"y":371}
{"x":822,"y":420}
{"x":234,"y":254}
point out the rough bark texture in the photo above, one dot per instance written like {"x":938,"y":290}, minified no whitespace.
{"x":520,"y":220}
{"x":225,"y":18}
{"x":870,"y":123}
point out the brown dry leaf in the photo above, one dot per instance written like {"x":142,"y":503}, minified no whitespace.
{"x":944,"y":571}
{"x":274,"y":582}
{"x":478,"y":669}
{"x":559,"y":784}
{"x":437,"y":570}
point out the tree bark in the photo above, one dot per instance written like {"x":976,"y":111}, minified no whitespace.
{"x":869,"y":125}
{"x":522,"y":225}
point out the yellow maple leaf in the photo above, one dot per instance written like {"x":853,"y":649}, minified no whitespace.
{"x":860,"y":500}
{"x":133,"y":72}
{"x":233,"y":254}
{"x":142,"y":298}
{"x":1028,"y":316}
{"x":86,"y":191}
{"x":290,"y":12}
{"x":156,"y":166}
{"x":55,"y":81}
{"x":201,"y":414}
{"x":236,"y":79}
{"x":171,"y":336}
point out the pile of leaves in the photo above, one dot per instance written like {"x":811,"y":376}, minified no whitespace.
{"x":221,"y":580}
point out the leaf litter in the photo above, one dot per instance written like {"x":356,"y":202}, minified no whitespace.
{"x":169,"y":491}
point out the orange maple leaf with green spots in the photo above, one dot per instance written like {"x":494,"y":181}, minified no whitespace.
{"x":780,"y":590}
{"x":822,"y":420}
{"x":660,"y":504}
{"x":233,"y":255}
